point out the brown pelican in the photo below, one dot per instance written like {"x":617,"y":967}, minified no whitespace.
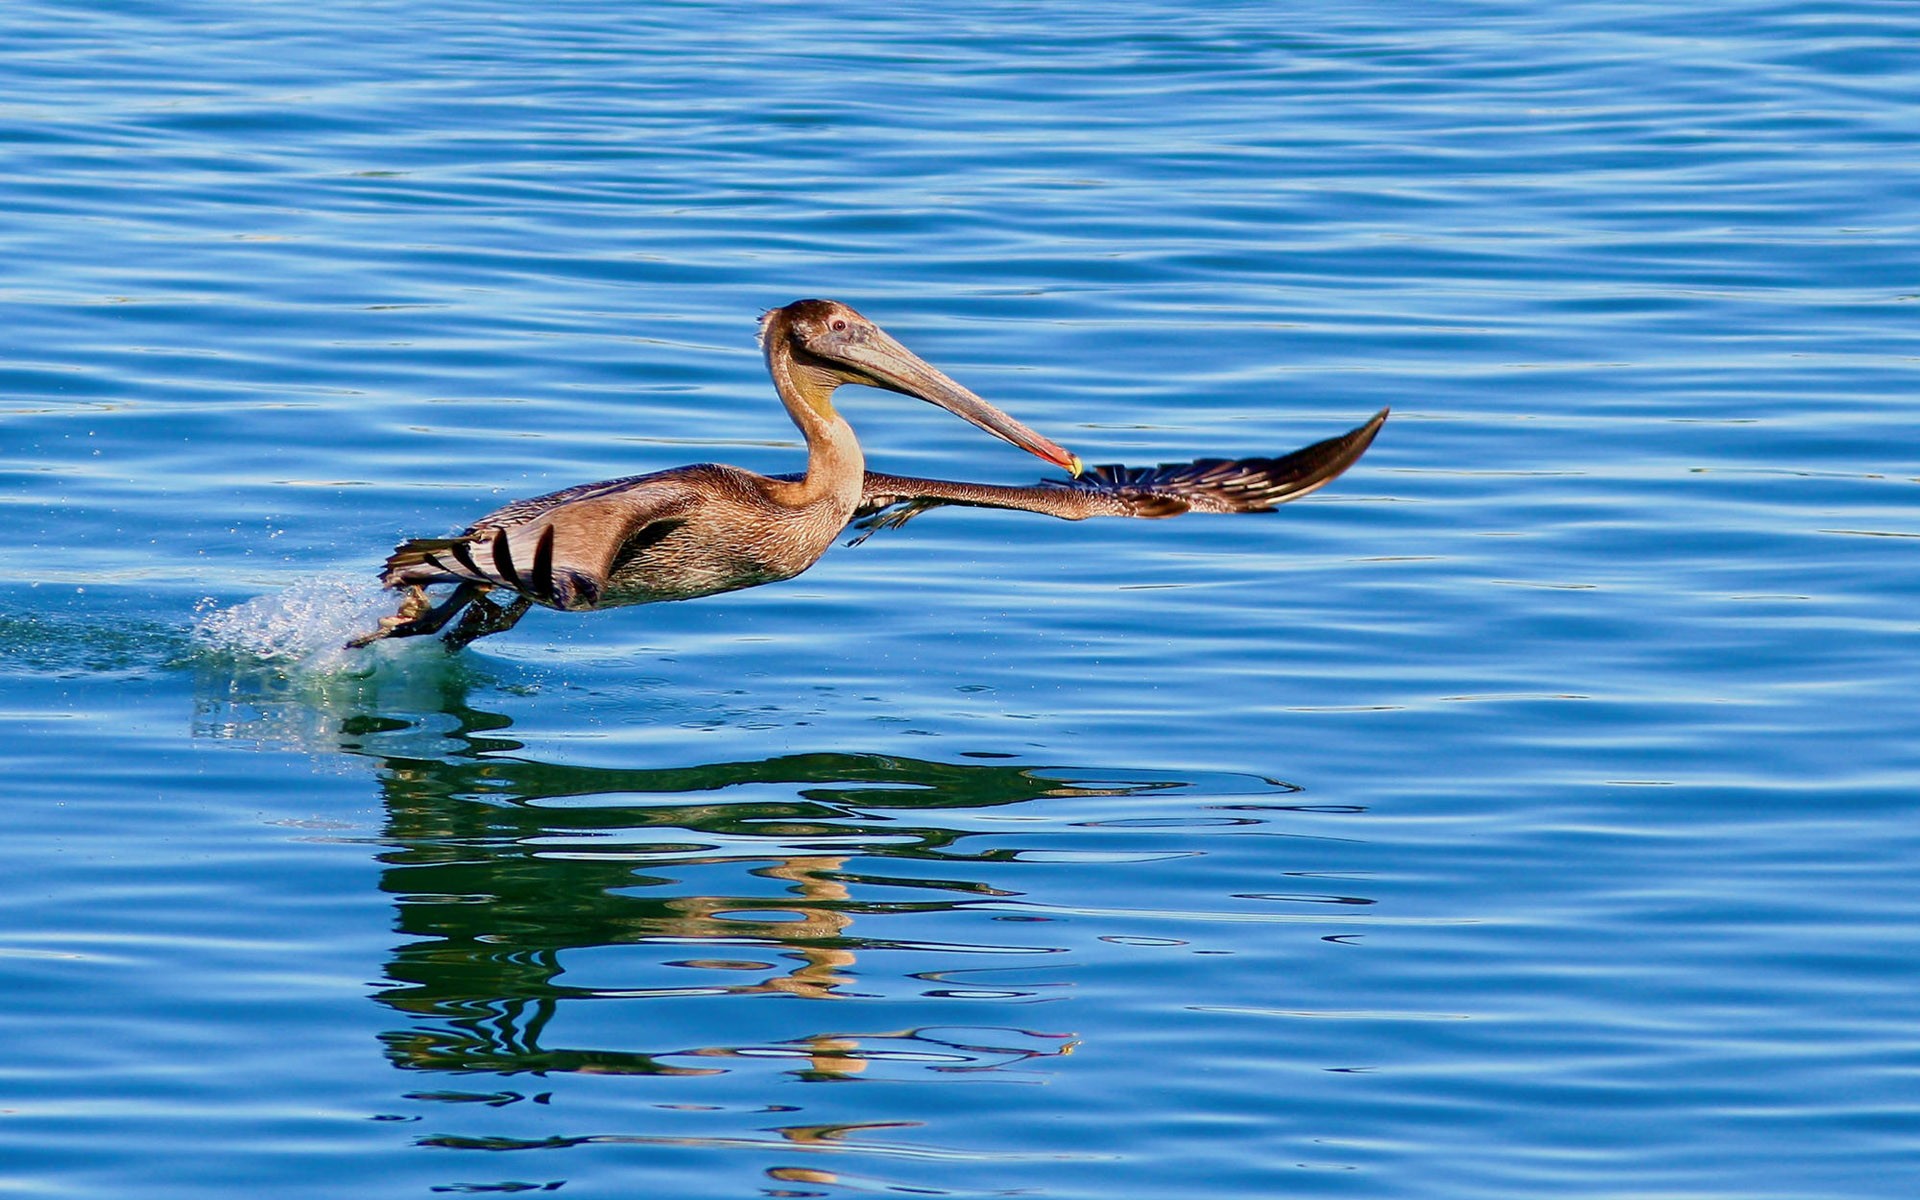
{"x":699,"y":530}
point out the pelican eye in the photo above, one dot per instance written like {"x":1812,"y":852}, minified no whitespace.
{"x":838,"y":325}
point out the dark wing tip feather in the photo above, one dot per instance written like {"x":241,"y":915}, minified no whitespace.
{"x":420,"y":558}
{"x":1233,"y":485}
{"x":427,"y":561}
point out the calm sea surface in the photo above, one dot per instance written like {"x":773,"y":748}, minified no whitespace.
{"x":1534,"y":812}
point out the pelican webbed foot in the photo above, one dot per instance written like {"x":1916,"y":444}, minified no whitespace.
{"x":419,"y":615}
{"x":484,"y":617}
{"x":893,"y":516}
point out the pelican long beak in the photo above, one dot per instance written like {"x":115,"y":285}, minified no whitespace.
{"x":887,"y":364}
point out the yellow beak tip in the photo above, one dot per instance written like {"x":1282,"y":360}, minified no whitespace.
{"x":1074,"y":466}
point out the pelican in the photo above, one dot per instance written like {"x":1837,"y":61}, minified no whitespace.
{"x":700,"y":530}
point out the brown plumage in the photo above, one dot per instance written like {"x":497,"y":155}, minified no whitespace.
{"x":690,"y":531}
{"x":699,"y":530}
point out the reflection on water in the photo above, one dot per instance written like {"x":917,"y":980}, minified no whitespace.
{"x":740,"y":878}
{"x":530,"y":891}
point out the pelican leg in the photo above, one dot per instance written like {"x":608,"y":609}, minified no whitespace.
{"x":893,"y":516}
{"x":483,"y":617}
{"x":419,"y":615}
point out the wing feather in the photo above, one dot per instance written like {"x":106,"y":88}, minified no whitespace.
{"x":559,"y":550}
{"x":1216,"y":485}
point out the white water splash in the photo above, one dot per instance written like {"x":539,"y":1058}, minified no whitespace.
{"x":305,"y":626}
{"x":275,"y":672}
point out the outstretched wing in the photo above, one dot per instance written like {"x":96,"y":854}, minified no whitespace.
{"x":1217,"y":485}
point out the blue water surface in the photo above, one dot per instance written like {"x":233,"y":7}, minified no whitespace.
{"x":1530,"y":813}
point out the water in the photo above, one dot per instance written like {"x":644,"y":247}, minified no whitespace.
{"x":1529,"y":813}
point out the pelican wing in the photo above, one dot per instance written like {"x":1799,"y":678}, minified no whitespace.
{"x":560,"y":549}
{"x":1217,"y":485}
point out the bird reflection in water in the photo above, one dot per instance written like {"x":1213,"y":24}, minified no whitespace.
{"x":723,"y":895}
{"x":510,"y":874}
{"x":506,"y":868}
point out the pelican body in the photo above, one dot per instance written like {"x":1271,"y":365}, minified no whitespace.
{"x":690,"y":531}
{"x":700,"y":530}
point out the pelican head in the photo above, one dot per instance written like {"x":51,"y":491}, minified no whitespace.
{"x":829,"y":344}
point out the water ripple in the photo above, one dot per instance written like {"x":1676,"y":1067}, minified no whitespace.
{"x":1528,"y":814}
